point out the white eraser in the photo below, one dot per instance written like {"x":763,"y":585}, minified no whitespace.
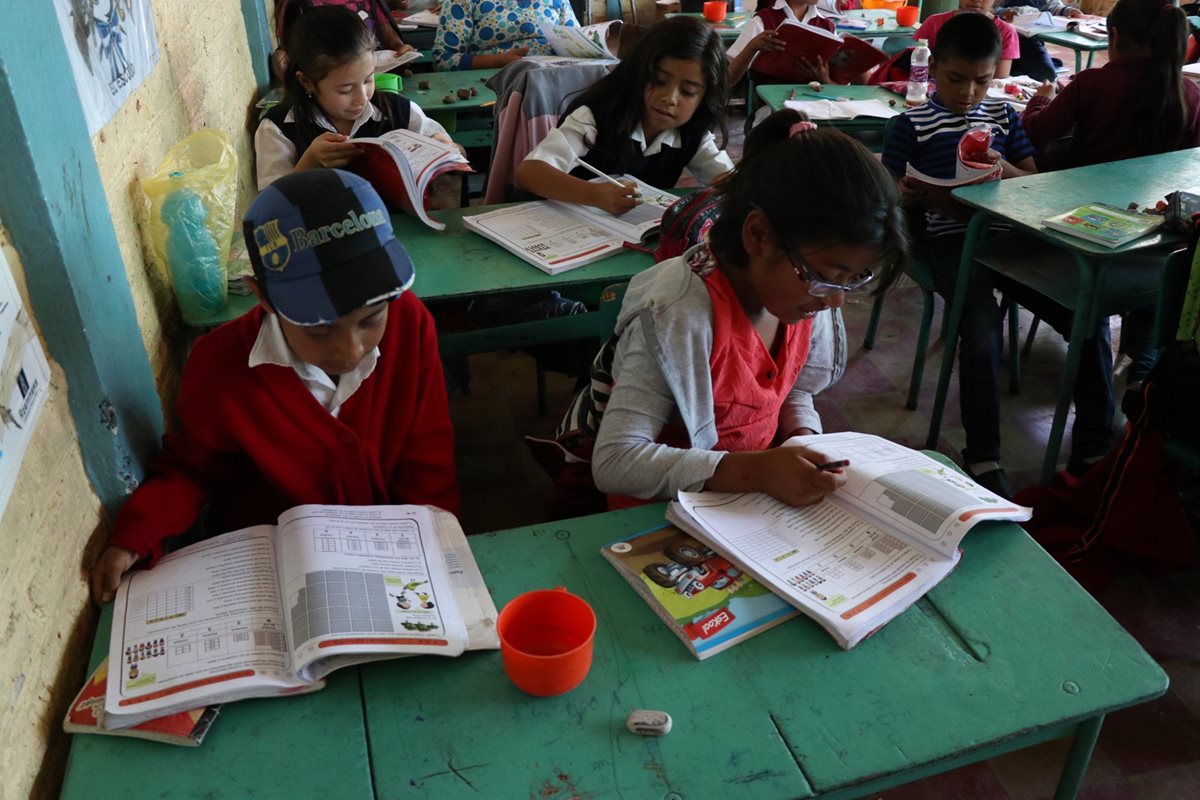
{"x":649,"y":723}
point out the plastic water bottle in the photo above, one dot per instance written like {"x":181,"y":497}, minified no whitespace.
{"x":918,"y":75}
{"x":192,"y":255}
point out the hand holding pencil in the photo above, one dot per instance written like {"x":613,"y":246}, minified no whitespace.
{"x":614,"y":196}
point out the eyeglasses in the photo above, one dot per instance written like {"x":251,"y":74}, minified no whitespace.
{"x":819,"y":287}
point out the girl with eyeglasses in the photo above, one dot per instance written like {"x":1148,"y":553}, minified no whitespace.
{"x":714,"y":361}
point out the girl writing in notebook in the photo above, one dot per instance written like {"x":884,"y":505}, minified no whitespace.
{"x":330,"y":98}
{"x":650,"y":118}
{"x":710,"y":360}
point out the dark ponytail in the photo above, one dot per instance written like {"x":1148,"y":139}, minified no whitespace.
{"x":1162,"y":29}
{"x":817,"y":188}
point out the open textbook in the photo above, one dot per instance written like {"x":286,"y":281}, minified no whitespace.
{"x":401,"y":164}
{"x":387,"y":60}
{"x":591,"y":41}
{"x":556,"y":237}
{"x":867,"y":552}
{"x":271,"y":610}
{"x":805,"y":45}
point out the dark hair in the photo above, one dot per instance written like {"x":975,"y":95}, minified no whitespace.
{"x":616,"y":100}
{"x":969,"y":36}
{"x":1160,"y":28}
{"x":318,"y":41}
{"x":817,"y":188}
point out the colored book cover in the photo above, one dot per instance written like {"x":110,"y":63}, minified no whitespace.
{"x":1104,"y":224}
{"x":86,"y":715}
{"x":705,"y":601}
{"x":846,"y":57}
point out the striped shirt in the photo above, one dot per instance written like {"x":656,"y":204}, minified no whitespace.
{"x":927,"y":137}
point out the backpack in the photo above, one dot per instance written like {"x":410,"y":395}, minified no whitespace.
{"x":686,"y":223}
{"x":895,"y":69}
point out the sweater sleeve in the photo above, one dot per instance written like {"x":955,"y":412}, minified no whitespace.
{"x":425,"y":472}
{"x":455,"y":32}
{"x":1047,"y":120}
{"x":627,"y":458}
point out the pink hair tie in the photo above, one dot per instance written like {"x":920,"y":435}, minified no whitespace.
{"x":800,"y":127}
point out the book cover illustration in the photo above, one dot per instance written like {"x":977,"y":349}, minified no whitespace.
{"x":706,"y":601}
{"x":1104,"y":224}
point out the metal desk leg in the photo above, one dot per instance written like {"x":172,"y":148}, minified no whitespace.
{"x":974,"y":230}
{"x":1081,"y":326}
{"x":1079,"y":61}
{"x":1082,"y":745}
{"x":1090,"y":54}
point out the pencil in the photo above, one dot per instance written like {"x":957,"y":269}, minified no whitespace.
{"x":606,"y":176}
{"x":822,"y":96}
{"x":830,"y":466}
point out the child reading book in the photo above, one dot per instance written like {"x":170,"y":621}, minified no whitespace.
{"x":330,"y":98}
{"x":330,"y":391}
{"x":649,"y":118}
{"x":758,"y":36}
{"x":710,"y":352}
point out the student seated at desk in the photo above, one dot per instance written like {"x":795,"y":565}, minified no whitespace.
{"x":329,"y":391}
{"x":650,"y":118}
{"x":331,"y":99}
{"x":481,"y":35}
{"x":962,"y":64}
{"x":1010,"y":46}
{"x":1137,"y":104}
{"x":710,"y":359}
{"x":1035,"y":60}
{"x":758,"y":35}
{"x":374,"y":14}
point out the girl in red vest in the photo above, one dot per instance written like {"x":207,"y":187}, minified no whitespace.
{"x":759,"y":35}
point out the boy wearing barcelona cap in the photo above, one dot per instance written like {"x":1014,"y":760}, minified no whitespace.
{"x":329,"y":391}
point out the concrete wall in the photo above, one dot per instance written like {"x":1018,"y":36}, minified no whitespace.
{"x":55,"y":525}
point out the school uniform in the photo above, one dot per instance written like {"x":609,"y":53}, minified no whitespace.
{"x":1010,"y":47}
{"x":659,"y":162}
{"x":771,"y":18}
{"x":277,"y":144}
{"x":259,"y":432}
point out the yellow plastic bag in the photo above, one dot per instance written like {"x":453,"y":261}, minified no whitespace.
{"x":191,"y":200}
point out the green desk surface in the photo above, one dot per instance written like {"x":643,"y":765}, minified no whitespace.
{"x":875,"y":33}
{"x":776,"y":94}
{"x":456,"y":264}
{"x":448,"y":83}
{"x":1073,"y":40}
{"x":1027,"y":201}
{"x":1008,"y":651}
{"x":295,"y":747}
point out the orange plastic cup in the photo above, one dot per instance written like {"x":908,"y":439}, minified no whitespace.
{"x":546,"y":641}
{"x":714,"y":10}
{"x":906,"y":16}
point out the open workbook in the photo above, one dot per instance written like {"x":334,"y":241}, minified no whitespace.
{"x":556,"y":237}
{"x":587,"y":42}
{"x":271,"y":610}
{"x":870,"y":550}
{"x":401,"y":164}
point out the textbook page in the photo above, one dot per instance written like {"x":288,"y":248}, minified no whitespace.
{"x":417,"y":160}
{"x":581,"y":42}
{"x":205,"y":625}
{"x":847,"y":573}
{"x":931,"y":503}
{"x":365,"y":581}
{"x":551,"y":236}
{"x":387,"y":60}
{"x":637,"y":223}
{"x":842,"y":109}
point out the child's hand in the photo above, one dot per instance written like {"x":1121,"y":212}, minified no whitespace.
{"x":516,"y":54}
{"x":767,"y":41}
{"x":1073,"y":12}
{"x":818,"y":70}
{"x":107,"y":571}
{"x":916,"y":194}
{"x":790,"y":475}
{"x":616,"y":200}
{"x":1047,"y":89}
{"x":402,"y":49}
{"x":328,"y":150}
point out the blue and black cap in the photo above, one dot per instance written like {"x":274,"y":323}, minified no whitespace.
{"x":322,"y":246}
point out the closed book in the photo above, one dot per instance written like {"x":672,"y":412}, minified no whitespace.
{"x":1104,"y":224}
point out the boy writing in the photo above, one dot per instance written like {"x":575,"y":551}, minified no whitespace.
{"x":329,"y":391}
{"x":962,"y":65}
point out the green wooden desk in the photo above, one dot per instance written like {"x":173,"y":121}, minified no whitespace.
{"x":1000,"y":656}
{"x":1099,"y":283}
{"x":312,"y":746}
{"x":463,"y":119}
{"x":1080,"y":44}
{"x":728,"y":29}
{"x":897,"y":32}
{"x":456,"y":264}
{"x":776,"y":94}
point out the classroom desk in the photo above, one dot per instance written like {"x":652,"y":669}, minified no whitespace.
{"x":456,"y":264}
{"x":1000,"y":656}
{"x":462,"y":118}
{"x":1099,"y":282}
{"x":728,"y":29}
{"x":1080,"y":44}
{"x":286,"y":747}
{"x":776,"y":94}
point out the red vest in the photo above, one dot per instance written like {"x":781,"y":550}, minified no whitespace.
{"x":772,"y":18}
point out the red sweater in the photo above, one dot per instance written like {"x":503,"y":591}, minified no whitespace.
{"x":253,"y":442}
{"x":1099,"y":108}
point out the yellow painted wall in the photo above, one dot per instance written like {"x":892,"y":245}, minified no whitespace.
{"x":54,"y":525}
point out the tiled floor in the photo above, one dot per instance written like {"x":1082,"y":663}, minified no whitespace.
{"x":1151,"y":752}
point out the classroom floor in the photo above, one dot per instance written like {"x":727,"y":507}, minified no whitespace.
{"x":1151,"y":752}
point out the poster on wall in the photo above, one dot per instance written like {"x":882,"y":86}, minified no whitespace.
{"x":112,"y":48}
{"x":24,"y":382}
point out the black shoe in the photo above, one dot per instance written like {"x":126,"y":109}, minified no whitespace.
{"x":1078,"y":467}
{"x":993,"y":480}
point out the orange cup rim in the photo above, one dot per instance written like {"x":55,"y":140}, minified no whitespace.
{"x":587,"y":639}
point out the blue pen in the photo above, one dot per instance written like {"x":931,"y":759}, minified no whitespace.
{"x":822,"y":96}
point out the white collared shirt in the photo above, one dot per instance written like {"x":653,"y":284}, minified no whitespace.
{"x":754,"y":26}
{"x":276,"y":155}
{"x":271,"y":347}
{"x":574,"y":138}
